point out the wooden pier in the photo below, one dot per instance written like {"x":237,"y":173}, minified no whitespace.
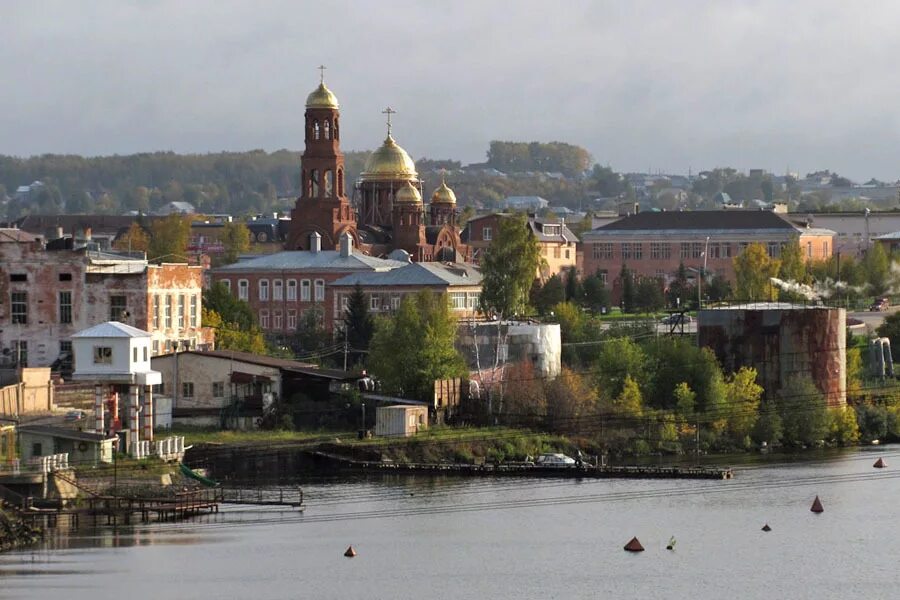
{"x":529,"y":469}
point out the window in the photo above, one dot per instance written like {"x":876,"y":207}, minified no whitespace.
{"x":697,"y":250}
{"x":375,"y":302}
{"x":264,"y":319}
{"x":65,"y":277}
{"x":292,"y":290}
{"x":20,"y":352}
{"x":637,"y":249}
{"x":277,"y":289}
{"x":809,"y":249}
{"x":37,"y":449}
{"x":187,"y":389}
{"x":603,"y":250}
{"x":102,"y":355}
{"x":824,"y":249}
{"x":263,"y":289}
{"x":65,"y":307}
{"x":65,"y":347}
{"x":155,"y":347}
{"x":486,"y":234}
{"x":227,"y":284}
{"x":660,"y":250}
{"x":167,"y":311}
{"x":304,"y":290}
{"x":195,"y":314}
{"x":292,"y":319}
{"x":18,"y":277}
{"x":772,"y":249}
{"x":243,"y":289}
{"x":556,"y":252}
{"x":345,"y":303}
{"x":118,"y":307}
{"x":726,"y":250}
{"x":156,"y":314}
{"x":395,"y":302}
{"x":626,"y":250}
{"x":134,"y":354}
{"x":320,"y":290}
{"x":603,"y":276}
{"x":179,"y":320}
{"x":218,"y":389}
{"x":685,"y":249}
{"x":458,"y":300}
{"x":551,"y":229}
{"x":145,"y":353}
{"x":19,"y":307}
{"x":276,"y":319}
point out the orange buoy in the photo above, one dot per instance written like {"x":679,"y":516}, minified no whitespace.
{"x":817,"y":506}
{"x":880,"y":464}
{"x":634,"y":546}
{"x":350,"y":553}
{"x":766,"y":527}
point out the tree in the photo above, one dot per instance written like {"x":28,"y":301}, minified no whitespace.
{"x":508,"y":268}
{"x":685,"y":399}
{"x":629,"y":403}
{"x":742,"y":398}
{"x":219,"y":299}
{"x":236,"y":240}
{"x":311,"y":334}
{"x":792,"y":268}
{"x":359,"y":323}
{"x":574,"y":289}
{"x":596,"y":296}
{"x":768,"y":428}
{"x":754,"y":269}
{"x":680,"y":293}
{"x":415,"y":347}
{"x":545,"y":297}
{"x":877,"y":267}
{"x":842,"y":426}
{"x":649,"y":295}
{"x":803,"y":412}
{"x":133,"y":240}
{"x":890,"y":327}
{"x":569,"y":399}
{"x":230,"y":336}
{"x":628,"y":294}
{"x":620,"y":359}
{"x":169,"y":238}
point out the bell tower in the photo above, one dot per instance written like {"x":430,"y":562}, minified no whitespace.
{"x":323,"y":206}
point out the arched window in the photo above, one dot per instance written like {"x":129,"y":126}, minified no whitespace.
{"x":303,"y":181}
{"x":336,"y":136}
{"x":314,"y":183}
{"x":316,"y":130}
{"x":329,"y":183}
{"x":327,"y":127}
{"x":340,"y":182}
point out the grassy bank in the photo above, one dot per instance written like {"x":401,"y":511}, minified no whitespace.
{"x":202,"y":435}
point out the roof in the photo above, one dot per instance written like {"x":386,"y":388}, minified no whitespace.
{"x":323,"y":260}
{"x":112,"y":329}
{"x":699,"y":220}
{"x":284,"y":364}
{"x":537,"y":228}
{"x":767,"y":306}
{"x":15,"y":235}
{"x":894,"y":235}
{"x":416,"y":274}
{"x":63,"y":432}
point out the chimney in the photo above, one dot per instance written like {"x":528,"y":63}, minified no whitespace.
{"x":315,"y":242}
{"x":59,"y":232}
{"x":346,"y":245}
{"x":87,"y":234}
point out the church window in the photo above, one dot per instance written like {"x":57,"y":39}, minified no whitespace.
{"x":340,"y":182}
{"x":314,"y":183}
{"x":304,"y":290}
{"x":329,"y":183}
{"x":336,"y":130}
{"x":317,"y":131}
{"x":327,"y":128}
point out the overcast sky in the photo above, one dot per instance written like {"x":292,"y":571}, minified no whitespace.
{"x":665,"y":86}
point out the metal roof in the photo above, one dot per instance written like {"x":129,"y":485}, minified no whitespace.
{"x":111,"y":329}
{"x":284,"y":364}
{"x":416,"y":274}
{"x":62,"y":432}
{"x":323,"y":260}
{"x":700,"y":219}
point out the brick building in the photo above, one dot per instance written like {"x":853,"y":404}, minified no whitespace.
{"x":654,"y":244}
{"x":558,"y":243}
{"x":48,"y":295}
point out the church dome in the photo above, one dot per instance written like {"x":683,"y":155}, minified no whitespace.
{"x":390,"y":161}
{"x":443,"y":195}
{"x":322,"y":97}
{"x":408,"y":194}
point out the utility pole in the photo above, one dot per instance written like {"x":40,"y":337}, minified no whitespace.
{"x":700,"y":278}
{"x":346,"y":347}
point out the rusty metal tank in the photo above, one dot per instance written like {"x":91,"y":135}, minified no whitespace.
{"x":781,"y":341}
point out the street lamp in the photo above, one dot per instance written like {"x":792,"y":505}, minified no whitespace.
{"x":700,"y":276}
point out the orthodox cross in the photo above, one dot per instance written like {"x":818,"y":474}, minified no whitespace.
{"x":322,"y":73}
{"x":389,"y":111}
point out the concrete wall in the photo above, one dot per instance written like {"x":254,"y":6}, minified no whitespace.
{"x":781,"y":342}
{"x":538,"y":343}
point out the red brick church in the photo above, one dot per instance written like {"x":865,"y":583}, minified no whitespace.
{"x":387,"y":213}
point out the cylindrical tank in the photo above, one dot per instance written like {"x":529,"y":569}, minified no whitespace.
{"x":781,"y":341}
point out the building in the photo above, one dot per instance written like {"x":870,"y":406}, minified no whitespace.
{"x":281,"y":287}
{"x":401,"y":420}
{"x":388,"y":212}
{"x":51,"y":294}
{"x":231,"y":389}
{"x":32,"y":393}
{"x":558,"y":243}
{"x":654,"y":244}
{"x":176,"y":208}
{"x":83,"y":447}
{"x":384,"y":290}
{"x":529,"y":203}
{"x":855,"y":231}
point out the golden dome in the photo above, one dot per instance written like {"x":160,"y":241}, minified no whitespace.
{"x":443,"y":195}
{"x":408,"y":194}
{"x":390,"y":161}
{"x":322,"y":97}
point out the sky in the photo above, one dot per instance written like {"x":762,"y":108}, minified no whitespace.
{"x":666,"y":86}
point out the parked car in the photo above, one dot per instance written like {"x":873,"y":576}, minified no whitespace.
{"x":555,"y":460}
{"x":74,"y":415}
{"x":676,"y":318}
{"x":880,"y":304}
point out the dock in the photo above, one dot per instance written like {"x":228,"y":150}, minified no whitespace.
{"x":522,"y":469}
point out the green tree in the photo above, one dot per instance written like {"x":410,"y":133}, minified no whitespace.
{"x":629,"y":402}
{"x":311,"y":334}
{"x":133,"y":240}
{"x":803,"y":412}
{"x":890,"y":327}
{"x":742,"y":396}
{"x":508,"y":268}
{"x":842,"y":426}
{"x":628,"y":293}
{"x":231,"y":336}
{"x":219,"y":299}
{"x":545,"y":297}
{"x":415,"y":347}
{"x":685,"y":399}
{"x":596,"y":296}
{"x":680,"y":292}
{"x":754,"y":269}
{"x":236,"y":241}
{"x":359,"y":323}
{"x":649,"y":295}
{"x":574,"y":289}
{"x":619,"y":359}
{"x":877,"y":267}
{"x":768,"y":427}
{"x":169,"y":238}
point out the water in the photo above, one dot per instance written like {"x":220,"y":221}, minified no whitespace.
{"x":420,"y":538}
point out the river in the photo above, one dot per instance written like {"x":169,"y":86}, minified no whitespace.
{"x":422,"y":538}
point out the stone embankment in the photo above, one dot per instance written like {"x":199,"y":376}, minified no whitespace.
{"x":14,"y":532}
